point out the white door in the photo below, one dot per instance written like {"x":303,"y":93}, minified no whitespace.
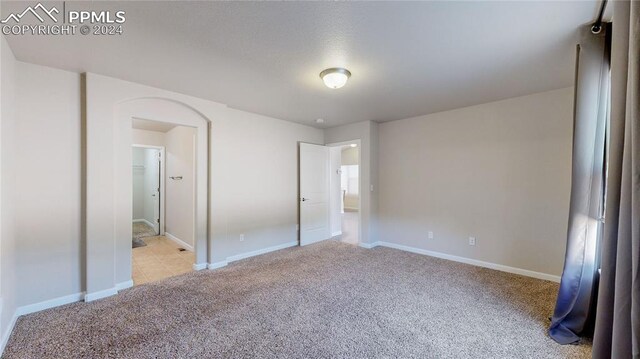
{"x":314,"y":193}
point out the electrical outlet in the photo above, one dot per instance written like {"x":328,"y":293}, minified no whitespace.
{"x":430,"y":235}
{"x":472,"y":241}
{"x":241,"y":237}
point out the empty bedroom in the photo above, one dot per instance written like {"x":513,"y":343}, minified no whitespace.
{"x":315,"y":179}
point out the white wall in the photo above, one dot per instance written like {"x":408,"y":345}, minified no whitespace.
{"x":350,"y":156}
{"x":498,"y":171}
{"x":145,"y":137}
{"x":8,"y":297}
{"x":254,"y":184}
{"x":48,"y":207}
{"x":179,"y":201}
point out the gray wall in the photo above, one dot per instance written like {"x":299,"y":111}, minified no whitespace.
{"x":41,"y":210}
{"x":7,"y":157}
{"x":48,"y":204}
{"x":498,"y":171}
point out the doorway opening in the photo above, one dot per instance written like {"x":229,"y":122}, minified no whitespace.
{"x":163,"y":195}
{"x":345,"y":188}
{"x":147,"y":192}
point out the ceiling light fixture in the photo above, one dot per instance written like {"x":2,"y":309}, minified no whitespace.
{"x":335,"y":77}
{"x":320,"y":120}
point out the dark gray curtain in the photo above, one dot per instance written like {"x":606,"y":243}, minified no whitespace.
{"x":576,"y":297}
{"x":617,"y":331}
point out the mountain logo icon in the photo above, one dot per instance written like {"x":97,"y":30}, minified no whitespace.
{"x":34,"y":12}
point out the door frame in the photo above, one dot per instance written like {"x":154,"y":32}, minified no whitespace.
{"x":359,"y":143}
{"x":162,"y":179}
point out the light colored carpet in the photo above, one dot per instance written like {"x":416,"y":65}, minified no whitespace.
{"x":328,"y":300}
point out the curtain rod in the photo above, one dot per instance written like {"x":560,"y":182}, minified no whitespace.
{"x":596,"y":28}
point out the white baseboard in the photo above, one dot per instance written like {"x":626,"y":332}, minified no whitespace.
{"x":51,"y":303}
{"x":368,"y":245}
{"x":36,"y":307}
{"x":475,"y":262}
{"x":258,"y":252}
{"x":124,"y":285}
{"x":313,"y":241}
{"x":199,"y":266}
{"x":7,"y":333}
{"x":142,"y":220}
{"x":217,"y":265}
{"x":90,"y":297}
{"x":179,"y":241}
{"x":335,"y":234}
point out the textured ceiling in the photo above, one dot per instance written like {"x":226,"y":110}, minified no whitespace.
{"x":407,"y":58}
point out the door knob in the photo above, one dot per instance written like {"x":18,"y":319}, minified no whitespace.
{"x":305,"y":199}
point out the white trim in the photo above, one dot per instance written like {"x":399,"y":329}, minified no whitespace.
{"x":89,"y":297}
{"x":36,"y":307}
{"x":306,"y":243}
{"x":217,"y":265}
{"x":124,"y":285}
{"x":143,"y":221}
{"x":199,"y":266}
{"x":51,"y":303}
{"x":335,"y":234}
{"x":368,"y":245}
{"x":179,"y":241}
{"x":475,"y":262}
{"x":246,"y":255}
{"x":7,"y":332}
{"x":258,"y":252}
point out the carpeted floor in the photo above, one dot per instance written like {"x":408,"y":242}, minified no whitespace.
{"x":328,"y":300}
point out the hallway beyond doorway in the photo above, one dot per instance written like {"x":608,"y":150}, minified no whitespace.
{"x":350,"y":227}
{"x":161,"y":258}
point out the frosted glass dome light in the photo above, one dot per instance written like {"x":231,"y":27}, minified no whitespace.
{"x":335,"y":77}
